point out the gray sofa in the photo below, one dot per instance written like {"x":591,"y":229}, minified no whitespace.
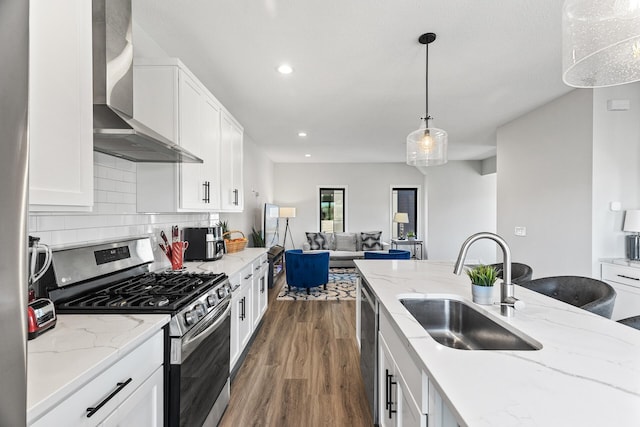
{"x":344,"y":247}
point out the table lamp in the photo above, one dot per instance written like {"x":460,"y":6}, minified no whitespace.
{"x":632,"y":225}
{"x":401,"y":218}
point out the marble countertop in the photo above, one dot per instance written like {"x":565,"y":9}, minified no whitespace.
{"x":229,"y":264}
{"x":586,"y":374}
{"x":80,"y":346}
{"x":621,"y":261}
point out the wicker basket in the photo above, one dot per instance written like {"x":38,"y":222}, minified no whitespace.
{"x":234,"y":245}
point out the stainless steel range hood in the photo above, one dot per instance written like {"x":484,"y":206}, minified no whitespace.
{"x":115,"y":131}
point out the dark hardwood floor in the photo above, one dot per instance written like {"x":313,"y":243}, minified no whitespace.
{"x":303,"y":369}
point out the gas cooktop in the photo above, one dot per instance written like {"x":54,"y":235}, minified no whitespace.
{"x":150,"y":292}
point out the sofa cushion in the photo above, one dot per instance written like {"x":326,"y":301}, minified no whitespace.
{"x":318,"y":241}
{"x":371,"y":241}
{"x":345,"y":242}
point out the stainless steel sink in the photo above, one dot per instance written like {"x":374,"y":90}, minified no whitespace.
{"x":455,"y":324}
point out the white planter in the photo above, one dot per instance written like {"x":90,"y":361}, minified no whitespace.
{"x":482,"y":294}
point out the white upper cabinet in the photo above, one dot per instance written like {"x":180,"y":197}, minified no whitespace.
{"x":169,"y":99}
{"x":60,"y":105}
{"x":231,"y":163}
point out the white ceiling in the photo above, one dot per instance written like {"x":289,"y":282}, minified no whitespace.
{"x":358,"y":83}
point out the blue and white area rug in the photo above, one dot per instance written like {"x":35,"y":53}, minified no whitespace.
{"x":341,"y":287}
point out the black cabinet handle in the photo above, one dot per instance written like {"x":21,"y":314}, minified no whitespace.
{"x":235,"y":197}
{"x":627,"y":277}
{"x":204,"y":191}
{"x":119,"y":386}
{"x":208,"y":192}
{"x":390,"y":384}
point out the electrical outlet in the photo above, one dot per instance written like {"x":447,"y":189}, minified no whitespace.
{"x":520,"y":231}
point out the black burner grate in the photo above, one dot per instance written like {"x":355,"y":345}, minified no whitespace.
{"x":151,"y":292}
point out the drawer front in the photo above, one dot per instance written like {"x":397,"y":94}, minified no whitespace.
{"x":400,"y":352}
{"x":621,"y":274}
{"x":137,"y":365}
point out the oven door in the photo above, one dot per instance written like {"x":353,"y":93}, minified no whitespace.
{"x":199,"y":371}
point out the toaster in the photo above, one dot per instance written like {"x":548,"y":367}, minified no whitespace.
{"x":41,"y":316}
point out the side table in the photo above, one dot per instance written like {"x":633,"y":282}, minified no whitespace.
{"x":415,"y":245}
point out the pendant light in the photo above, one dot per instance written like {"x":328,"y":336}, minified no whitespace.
{"x":427,"y":146}
{"x":601,"y":42}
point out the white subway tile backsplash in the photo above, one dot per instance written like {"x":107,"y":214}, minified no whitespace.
{"x":48,"y":223}
{"x":129,"y":177}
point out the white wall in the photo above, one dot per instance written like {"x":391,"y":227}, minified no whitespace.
{"x":368,"y":193}
{"x":544,"y":184}
{"x":258,"y":189}
{"x":616,"y":169}
{"x":461,"y":201}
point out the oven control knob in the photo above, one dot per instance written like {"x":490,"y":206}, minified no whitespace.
{"x":222,"y":292}
{"x":191,"y":317}
{"x":212,"y":300}
{"x":200,"y":310}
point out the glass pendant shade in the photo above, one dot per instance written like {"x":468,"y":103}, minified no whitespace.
{"x":427,"y":146}
{"x":601,"y":42}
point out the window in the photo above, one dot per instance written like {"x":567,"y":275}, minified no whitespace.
{"x":404,"y":200}
{"x":332,"y":209}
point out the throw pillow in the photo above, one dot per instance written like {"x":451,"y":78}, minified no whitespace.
{"x":345,"y":242}
{"x":371,"y":241}
{"x":317,"y":241}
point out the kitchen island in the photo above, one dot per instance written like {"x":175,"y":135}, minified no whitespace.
{"x":587,"y":372}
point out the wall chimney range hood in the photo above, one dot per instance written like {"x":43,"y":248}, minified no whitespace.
{"x":115,"y":131}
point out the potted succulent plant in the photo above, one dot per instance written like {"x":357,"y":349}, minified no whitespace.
{"x":482,"y":279}
{"x":411,"y":235}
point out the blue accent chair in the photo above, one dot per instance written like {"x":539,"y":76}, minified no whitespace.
{"x":392,"y":254}
{"x":305,"y":269}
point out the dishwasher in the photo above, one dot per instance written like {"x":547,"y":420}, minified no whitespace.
{"x":369,"y":346}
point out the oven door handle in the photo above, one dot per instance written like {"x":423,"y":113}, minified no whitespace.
{"x":210,"y":324}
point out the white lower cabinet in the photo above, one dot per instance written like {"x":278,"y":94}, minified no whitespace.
{"x":128,"y":393}
{"x":143,"y":407}
{"x":625,"y":279}
{"x":249,"y":303}
{"x":406,"y":396}
{"x":260,"y":293}
{"x":397,"y":405}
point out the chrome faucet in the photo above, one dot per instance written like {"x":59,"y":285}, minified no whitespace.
{"x":507,"y":301}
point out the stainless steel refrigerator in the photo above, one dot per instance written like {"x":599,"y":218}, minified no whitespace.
{"x":14,"y":161}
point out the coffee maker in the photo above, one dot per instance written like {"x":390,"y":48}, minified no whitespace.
{"x":205,"y":243}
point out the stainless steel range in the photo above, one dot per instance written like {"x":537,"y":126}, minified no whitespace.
{"x":115,"y":278}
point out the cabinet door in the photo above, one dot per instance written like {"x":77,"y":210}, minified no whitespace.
{"x":387,"y":387}
{"x":257,"y":295}
{"x":264,"y":284}
{"x":192,"y":186}
{"x":143,"y":408}
{"x":211,"y":151}
{"x":60,"y":104}
{"x":236,"y":311}
{"x":246,"y":319}
{"x":409,"y":414}
{"x":231,"y":192}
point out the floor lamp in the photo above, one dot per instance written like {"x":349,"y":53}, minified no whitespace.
{"x":287,"y":213}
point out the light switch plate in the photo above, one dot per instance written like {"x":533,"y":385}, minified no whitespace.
{"x":520,"y":231}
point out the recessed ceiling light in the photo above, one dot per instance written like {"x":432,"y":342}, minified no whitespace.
{"x":307,"y":155}
{"x":302,"y":134}
{"x":285,"y":69}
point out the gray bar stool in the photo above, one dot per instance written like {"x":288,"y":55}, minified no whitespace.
{"x":589,"y":294}
{"x":633,"y":322}
{"x":519,"y":272}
